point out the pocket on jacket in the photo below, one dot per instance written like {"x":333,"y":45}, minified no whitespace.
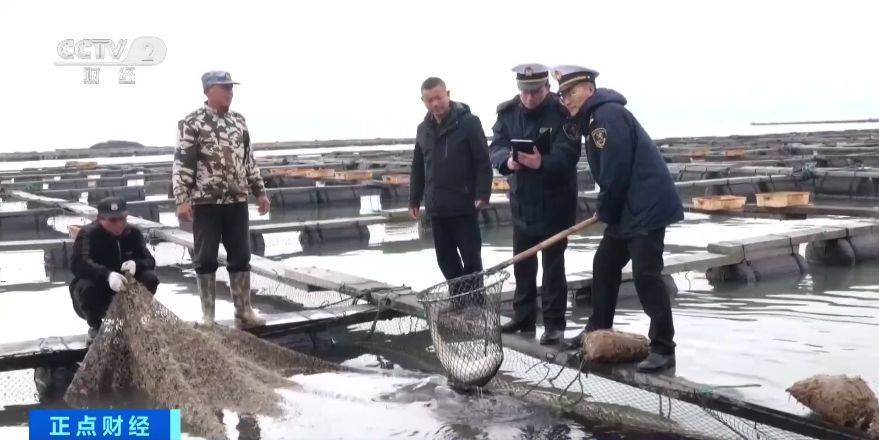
{"x":451,"y":199}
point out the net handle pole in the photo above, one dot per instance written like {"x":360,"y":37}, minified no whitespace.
{"x":532,"y":251}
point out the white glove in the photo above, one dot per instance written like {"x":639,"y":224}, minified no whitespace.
{"x":117,"y":281}
{"x":129,"y":267}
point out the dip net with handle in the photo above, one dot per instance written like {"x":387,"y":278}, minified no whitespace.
{"x":464,"y":316}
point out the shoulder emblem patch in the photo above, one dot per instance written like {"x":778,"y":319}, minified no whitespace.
{"x":572,"y":131}
{"x":599,"y":138}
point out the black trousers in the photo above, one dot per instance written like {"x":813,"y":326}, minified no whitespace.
{"x":554,"y":290}
{"x":646,"y":254}
{"x":221,"y":223}
{"x":458,"y":244}
{"x":92,"y":298}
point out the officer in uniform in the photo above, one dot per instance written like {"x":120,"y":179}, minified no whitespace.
{"x":214,"y":171}
{"x":103,"y":251}
{"x":543,"y":197}
{"x":637,"y":200}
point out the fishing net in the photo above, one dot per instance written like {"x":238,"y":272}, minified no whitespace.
{"x":145,"y":354}
{"x":602,"y":404}
{"x":464,"y":317}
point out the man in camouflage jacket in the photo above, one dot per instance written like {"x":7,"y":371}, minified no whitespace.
{"x":214,"y":172}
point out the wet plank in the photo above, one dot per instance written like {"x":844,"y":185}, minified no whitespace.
{"x":807,"y":210}
{"x":668,"y":384}
{"x":81,"y":209}
{"x":37,"y":212}
{"x":67,"y":349}
{"x":333,"y":280}
{"x":23,"y":245}
{"x":791,"y":238}
{"x":338,"y":223}
{"x":698,"y":261}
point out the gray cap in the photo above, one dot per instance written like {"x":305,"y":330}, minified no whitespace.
{"x":215,"y":77}
{"x":531,"y":76}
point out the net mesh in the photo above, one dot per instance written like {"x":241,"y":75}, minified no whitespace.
{"x":589,"y":398}
{"x":596,"y":401}
{"x":145,"y":354}
{"x":464,"y":316}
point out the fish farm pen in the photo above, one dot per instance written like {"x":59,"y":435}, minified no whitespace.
{"x":337,"y":264}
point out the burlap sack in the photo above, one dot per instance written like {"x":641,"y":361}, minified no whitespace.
{"x":839,"y":399}
{"x":612,"y":346}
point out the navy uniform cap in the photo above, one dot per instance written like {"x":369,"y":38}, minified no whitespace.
{"x":531,"y":76}
{"x":215,"y":77}
{"x":568,"y":75}
{"x":112,"y":207}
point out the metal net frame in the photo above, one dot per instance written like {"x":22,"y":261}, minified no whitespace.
{"x":464,"y":315}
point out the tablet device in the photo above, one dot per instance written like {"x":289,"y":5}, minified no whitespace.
{"x":543,"y":144}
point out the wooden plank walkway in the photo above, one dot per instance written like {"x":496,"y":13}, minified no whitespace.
{"x":67,"y":349}
{"x":338,"y":223}
{"x":667,"y":384}
{"x":706,"y":183}
{"x":37,"y":212}
{"x":698,"y":261}
{"x":25,"y":245}
{"x":791,"y":239}
{"x":801,"y":211}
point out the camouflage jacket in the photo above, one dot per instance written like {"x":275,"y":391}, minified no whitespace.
{"x":213,"y":163}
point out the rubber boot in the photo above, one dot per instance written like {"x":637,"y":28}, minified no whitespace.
{"x":245,"y":317}
{"x":207,"y":290}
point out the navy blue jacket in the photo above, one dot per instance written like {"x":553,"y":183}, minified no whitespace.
{"x":450,"y":165}
{"x":542,"y":201}
{"x":637,"y":193}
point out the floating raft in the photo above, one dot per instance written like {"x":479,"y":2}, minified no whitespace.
{"x":69,"y":349}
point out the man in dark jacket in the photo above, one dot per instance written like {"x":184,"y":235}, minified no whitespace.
{"x":102,"y":252}
{"x":451,"y":173}
{"x":637,"y":201}
{"x":543,"y":197}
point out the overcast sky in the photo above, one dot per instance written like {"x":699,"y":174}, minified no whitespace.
{"x":332,"y":69}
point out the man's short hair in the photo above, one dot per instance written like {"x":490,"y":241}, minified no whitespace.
{"x":432,"y":82}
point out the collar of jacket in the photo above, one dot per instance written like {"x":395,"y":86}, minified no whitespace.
{"x":600,"y":97}
{"x":213,"y":112}
{"x":107,"y":233}
{"x":544,"y":106}
{"x":449,"y":123}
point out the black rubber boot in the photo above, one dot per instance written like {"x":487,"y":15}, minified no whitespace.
{"x":552,"y":337}
{"x":518,"y":326}
{"x":656,"y":363}
{"x":574,"y":343}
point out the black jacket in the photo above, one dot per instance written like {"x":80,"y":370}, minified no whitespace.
{"x":543,"y":201}
{"x":450,"y":167}
{"x":637,"y":193}
{"x":96,"y":253}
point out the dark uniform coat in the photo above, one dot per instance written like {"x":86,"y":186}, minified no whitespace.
{"x":542,"y":201}
{"x":637,"y":193}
